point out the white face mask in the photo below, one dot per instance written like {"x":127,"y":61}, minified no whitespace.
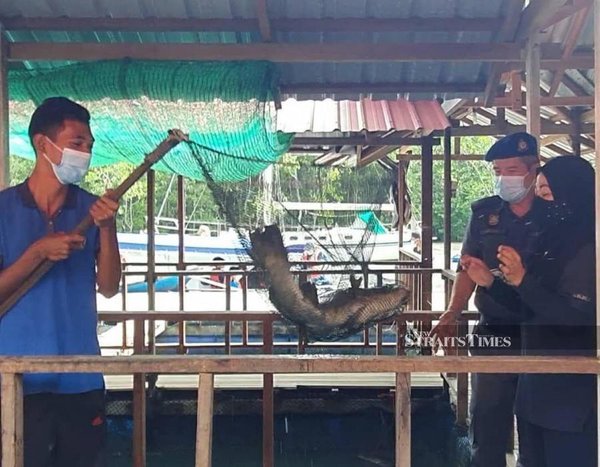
{"x":73,"y":165}
{"x":511,"y":188}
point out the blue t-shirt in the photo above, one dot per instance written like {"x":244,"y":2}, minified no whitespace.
{"x":58,"y":316}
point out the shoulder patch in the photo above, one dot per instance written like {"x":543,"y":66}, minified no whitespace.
{"x":492,"y":203}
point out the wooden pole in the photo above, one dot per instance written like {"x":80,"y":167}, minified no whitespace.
{"x":427,"y":218}
{"x":139,"y":401}
{"x":402,"y":416}
{"x":151,"y":254}
{"x":12,"y":420}
{"x":533,"y":95}
{"x":268,"y":400}
{"x":597,"y":134}
{"x":401,"y":207}
{"x":204,"y":420}
{"x":447,"y":197}
{"x":4,"y":130}
{"x":181,"y":256}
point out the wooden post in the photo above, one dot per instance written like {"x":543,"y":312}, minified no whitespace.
{"x":204,"y":420}
{"x":12,"y":420}
{"x":139,"y":400}
{"x":447,"y":197}
{"x":181,"y":257}
{"x":268,"y":409}
{"x":4,"y":130}
{"x":462,"y":380}
{"x":533,"y":96}
{"x":402,"y":416}
{"x":575,"y":137}
{"x":426,"y":222}
{"x":150,"y":223}
{"x":597,"y":136}
{"x":400,"y":202}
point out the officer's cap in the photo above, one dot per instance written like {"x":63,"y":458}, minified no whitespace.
{"x":516,"y":145}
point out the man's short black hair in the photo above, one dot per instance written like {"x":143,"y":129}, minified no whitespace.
{"x":51,"y":114}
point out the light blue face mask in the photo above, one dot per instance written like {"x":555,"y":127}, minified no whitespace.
{"x":73,"y":165}
{"x":511,"y":188}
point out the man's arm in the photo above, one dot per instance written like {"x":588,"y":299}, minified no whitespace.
{"x":108,"y":261}
{"x":108,"y":258}
{"x":54,"y":247}
{"x":461,"y":293}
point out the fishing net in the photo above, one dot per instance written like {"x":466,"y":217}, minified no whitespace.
{"x":225,"y":106}
{"x":330,"y":305}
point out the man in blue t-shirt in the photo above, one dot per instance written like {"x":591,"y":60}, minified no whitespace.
{"x":64,"y":413}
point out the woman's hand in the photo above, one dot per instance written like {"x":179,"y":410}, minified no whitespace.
{"x":477,"y":270}
{"x":511,"y":265}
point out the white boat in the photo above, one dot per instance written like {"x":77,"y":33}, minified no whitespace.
{"x":342,"y":243}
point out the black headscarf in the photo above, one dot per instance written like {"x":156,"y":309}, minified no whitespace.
{"x":569,"y":221}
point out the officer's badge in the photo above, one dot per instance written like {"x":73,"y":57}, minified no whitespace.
{"x":522,"y":145}
{"x":493,"y":219}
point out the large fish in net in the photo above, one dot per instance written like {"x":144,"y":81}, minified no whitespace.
{"x":348,"y":312}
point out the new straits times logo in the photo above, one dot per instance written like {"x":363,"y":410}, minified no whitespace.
{"x":423,"y":339}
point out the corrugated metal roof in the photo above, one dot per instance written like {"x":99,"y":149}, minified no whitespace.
{"x":327,"y":116}
{"x":292,"y":73}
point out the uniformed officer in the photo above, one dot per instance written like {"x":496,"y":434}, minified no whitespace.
{"x":503,"y":219}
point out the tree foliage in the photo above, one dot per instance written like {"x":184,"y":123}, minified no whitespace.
{"x":474,"y":181}
{"x":295,"y":179}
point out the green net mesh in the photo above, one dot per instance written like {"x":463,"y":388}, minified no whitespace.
{"x":227,"y":107}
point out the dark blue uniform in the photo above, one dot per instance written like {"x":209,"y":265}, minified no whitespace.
{"x":492,"y":224}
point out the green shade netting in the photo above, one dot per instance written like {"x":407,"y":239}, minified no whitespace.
{"x":226,"y":107}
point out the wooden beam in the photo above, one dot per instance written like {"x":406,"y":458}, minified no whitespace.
{"x":245,"y":25}
{"x":558,"y":101}
{"x":402,"y":419}
{"x":271,"y":364}
{"x":4,"y":115}
{"x":12,"y":420}
{"x":505,"y":34}
{"x":440,"y":157}
{"x":588,"y":116}
{"x":264,"y":24}
{"x":384,"y":88}
{"x":367,"y":140}
{"x":570,"y":42}
{"x":372,"y":154}
{"x":292,"y":53}
{"x":204,"y":420}
{"x":541,"y":14}
{"x":516,"y":94}
{"x":548,"y":128}
{"x":532,"y":83}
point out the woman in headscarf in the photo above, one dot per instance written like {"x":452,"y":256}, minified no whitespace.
{"x":556,"y":413}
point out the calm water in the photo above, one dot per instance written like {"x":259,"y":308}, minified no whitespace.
{"x":356,"y":440}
